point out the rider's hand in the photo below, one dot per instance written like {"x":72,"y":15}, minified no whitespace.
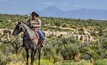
{"x":32,"y":38}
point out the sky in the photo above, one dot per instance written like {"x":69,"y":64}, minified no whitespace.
{"x":27,"y":6}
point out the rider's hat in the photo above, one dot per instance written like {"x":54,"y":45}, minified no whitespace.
{"x":34,"y":13}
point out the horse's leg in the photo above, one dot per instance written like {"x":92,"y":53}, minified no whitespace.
{"x":32,"y":56}
{"x":27,"y":55}
{"x":35,"y":52}
{"x":39,"y":55}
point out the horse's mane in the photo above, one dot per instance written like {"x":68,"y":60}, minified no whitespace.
{"x":28,"y":30}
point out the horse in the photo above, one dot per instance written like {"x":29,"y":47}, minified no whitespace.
{"x":29,"y":44}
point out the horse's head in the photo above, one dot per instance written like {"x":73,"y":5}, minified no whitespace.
{"x":18,"y":29}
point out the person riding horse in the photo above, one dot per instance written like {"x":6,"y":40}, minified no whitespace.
{"x":35,"y":23}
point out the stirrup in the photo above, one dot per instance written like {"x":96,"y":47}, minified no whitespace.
{"x":22,"y":45}
{"x":41,"y":45}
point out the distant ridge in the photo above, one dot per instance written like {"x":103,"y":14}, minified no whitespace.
{"x":53,"y":11}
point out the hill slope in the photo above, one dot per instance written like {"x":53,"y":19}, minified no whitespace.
{"x":81,"y":13}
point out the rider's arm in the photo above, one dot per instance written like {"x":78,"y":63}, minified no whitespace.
{"x":28,"y":23}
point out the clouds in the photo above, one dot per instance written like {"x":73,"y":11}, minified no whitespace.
{"x":2,"y":0}
{"x":76,"y":5}
{"x":48,"y":3}
{"x":7,"y":1}
{"x":64,"y":4}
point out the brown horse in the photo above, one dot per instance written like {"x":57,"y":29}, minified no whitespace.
{"x":28,"y":43}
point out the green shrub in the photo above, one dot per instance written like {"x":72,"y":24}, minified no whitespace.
{"x":101,"y":62}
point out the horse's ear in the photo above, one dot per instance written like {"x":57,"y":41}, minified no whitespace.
{"x":19,"y":22}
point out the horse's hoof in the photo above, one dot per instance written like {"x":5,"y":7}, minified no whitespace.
{"x":26,"y":63}
{"x":31,"y":63}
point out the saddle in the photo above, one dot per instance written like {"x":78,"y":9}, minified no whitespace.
{"x":38,"y":36}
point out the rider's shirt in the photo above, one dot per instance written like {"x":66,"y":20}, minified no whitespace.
{"x":34,"y":23}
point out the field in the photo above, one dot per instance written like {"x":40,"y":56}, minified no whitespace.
{"x":67,"y":41}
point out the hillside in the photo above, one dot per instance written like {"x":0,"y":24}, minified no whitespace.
{"x":97,"y":14}
{"x":80,"y":41}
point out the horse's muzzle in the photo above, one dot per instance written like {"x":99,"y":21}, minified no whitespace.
{"x":14,"y":33}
